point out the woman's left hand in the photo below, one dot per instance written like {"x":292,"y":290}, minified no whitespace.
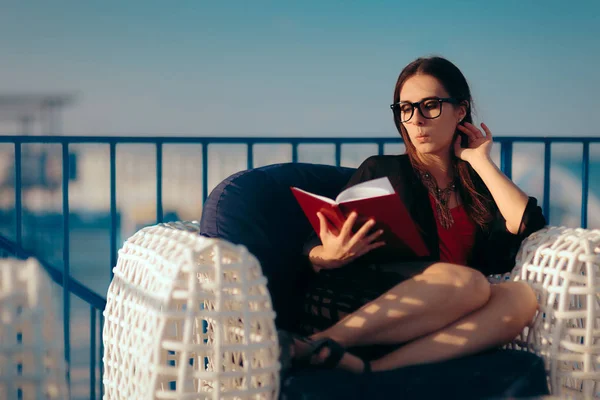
{"x":480,"y":145}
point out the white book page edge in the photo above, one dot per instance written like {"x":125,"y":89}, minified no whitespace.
{"x":325,"y":199}
{"x":373,"y":188}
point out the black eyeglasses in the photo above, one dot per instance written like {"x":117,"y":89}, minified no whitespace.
{"x":429,"y":108}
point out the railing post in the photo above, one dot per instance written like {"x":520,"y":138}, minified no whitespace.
{"x":159,"y":176}
{"x":547,"y":163}
{"x":113,"y":207}
{"x":585,"y":183}
{"x":250,"y":155}
{"x":294,"y":152}
{"x":18,"y":194}
{"x":338,"y":153}
{"x":92,"y":353}
{"x":66,"y":254}
{"x":506,"y":158}
{"x":101,"y":352}
{"x":204,"y":171}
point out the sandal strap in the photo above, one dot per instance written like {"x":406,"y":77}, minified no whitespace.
{"x":367,"y":368}
{"x":286,"y":341}
{"x":336,"y":352}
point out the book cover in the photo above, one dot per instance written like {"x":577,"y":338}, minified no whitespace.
{"x":374,"y":199}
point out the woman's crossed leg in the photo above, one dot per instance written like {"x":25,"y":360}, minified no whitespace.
{"x":447,"y":311}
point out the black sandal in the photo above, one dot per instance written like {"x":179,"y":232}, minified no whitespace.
{"x":286,"y":344}
{"x":336,"y":353}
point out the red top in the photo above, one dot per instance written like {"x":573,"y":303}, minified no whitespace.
{"x":456,"y":242}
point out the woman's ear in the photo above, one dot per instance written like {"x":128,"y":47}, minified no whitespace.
{"x":463,"y":109}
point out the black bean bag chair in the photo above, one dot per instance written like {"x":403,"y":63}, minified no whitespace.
{"x":256,"y":208}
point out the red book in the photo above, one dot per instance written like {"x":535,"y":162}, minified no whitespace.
{"x":374,"y":199}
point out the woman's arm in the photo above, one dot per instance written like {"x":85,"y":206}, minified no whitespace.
{"x":511,"y":200}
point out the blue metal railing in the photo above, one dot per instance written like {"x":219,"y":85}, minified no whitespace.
{"x":97,"y":303}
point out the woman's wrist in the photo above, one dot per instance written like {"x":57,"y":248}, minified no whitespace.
{"x":482,"y":163}
{"x":319,"y":259}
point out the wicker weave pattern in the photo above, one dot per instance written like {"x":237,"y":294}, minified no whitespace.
{"x":562,"y":265}
{"x":31,"y":355}
{"x":188,"y":317}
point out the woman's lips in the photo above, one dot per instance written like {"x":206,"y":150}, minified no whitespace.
{"x":422,"y":138}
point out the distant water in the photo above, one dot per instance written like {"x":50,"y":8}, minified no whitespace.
{"x":575,"y":168}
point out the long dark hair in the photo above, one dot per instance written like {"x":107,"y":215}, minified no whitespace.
{"x":476,"y":197}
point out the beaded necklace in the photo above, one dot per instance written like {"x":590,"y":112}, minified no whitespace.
{"x":441,"y":197}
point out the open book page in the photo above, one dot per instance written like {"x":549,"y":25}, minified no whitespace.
{"x":364,"y":190}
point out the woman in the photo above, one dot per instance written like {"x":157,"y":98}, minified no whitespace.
{"x":473,"y":220}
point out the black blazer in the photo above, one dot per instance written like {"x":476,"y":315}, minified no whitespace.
{"x":494,"y":249}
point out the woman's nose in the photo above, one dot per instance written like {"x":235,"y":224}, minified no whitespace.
{"x":417,"y":118}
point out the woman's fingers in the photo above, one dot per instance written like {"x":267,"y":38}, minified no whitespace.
{"x":361,"y":233}
{"x":325,"y":226}
{"x":363,"y":243}
{"x":347,"y":227}
{"x":487,"y":131}
{"x":369,"y":239}
{"x":369,"y":248}
{"x":473,"y":132}
{"x":478,"y":133}
{"x":467,"y":132}
{"x":322,"y":224}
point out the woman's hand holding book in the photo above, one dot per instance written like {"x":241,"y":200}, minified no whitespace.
{"x":340,"y":247}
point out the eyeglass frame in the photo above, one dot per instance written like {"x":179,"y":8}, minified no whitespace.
{"x":417,"y":104}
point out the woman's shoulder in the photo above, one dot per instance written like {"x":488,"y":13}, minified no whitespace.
{"x":396,"y":167}
{"x":386,"y":161}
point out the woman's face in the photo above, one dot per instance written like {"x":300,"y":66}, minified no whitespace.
{"x":430,"y":136}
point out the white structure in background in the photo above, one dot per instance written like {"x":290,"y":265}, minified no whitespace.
{"x":188,"y":317}
{"x":41,"y":164}
{"x":33,"y":113}
{"x":31,"y":355}
{"x":562,"y":265}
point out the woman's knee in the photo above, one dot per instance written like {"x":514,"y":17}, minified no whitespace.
{"x":467,"y":285}
{"x":519,"y":302}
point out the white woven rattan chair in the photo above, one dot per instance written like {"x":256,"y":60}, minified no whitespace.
{"x":188,"y":317}
{"x":562,"y":265}
{"x":31,"y":354}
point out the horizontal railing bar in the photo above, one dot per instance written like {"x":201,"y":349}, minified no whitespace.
{"x":262,"y":140}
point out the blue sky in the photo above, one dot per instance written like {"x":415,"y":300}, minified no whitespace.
{"x":311,"y":68}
